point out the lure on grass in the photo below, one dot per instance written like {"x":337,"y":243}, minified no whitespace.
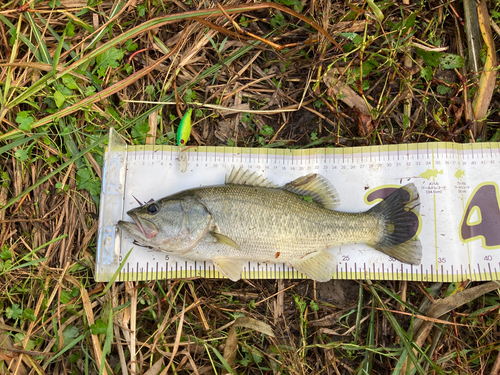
{"x":184,"y":130}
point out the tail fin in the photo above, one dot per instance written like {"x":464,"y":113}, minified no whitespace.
{"x":398,"y":215}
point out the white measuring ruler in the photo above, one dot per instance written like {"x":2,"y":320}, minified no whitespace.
{"x":458,"y":187}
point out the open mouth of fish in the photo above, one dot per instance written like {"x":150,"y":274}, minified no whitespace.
{"x":140,"y":226}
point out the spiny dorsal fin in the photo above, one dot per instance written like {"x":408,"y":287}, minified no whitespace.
{"x":246,"y":177}
{"x":316,"y":186}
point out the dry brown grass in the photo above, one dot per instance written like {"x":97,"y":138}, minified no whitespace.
{"x":54,"y":319}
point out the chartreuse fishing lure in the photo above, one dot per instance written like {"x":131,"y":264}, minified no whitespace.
{"x":184,"y":130}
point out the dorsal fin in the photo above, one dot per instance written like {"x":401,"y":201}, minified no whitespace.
{"x":246,"y":177}
{"x":317,"y":187}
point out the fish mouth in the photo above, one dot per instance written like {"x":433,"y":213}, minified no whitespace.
{"x":143,"y":228}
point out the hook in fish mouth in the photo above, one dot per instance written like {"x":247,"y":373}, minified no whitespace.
{"x":143,"y":228}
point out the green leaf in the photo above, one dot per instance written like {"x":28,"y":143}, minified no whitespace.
{"x":5,"y":254}
{"x":318,"y":103}
{"x":140,"y":130}
{"x":190,"y":96}
{"x":94,"y":187}
{"x":130,"y":45}
{"x":75,"y":292}
{"x":99,"y":327}
{"x":83,"y":175}
{"x":18,"y":339}
{"x":355,"y":38}
{"x":376,"y":10}
{"x":59,"y":99}
{"x":128,"y":68}
{"x":109,"y":59}
{"x":63,"y":89}
{"x":24,"y":119}
{"x":308,"y":198}
{"x":141,"y":9}
{"x":22,"y":155}
{"x":246,"y":117}
{"x":443,"y":90}
{"x":314,"y":306}
{"x":90,"y":90}
{"x":69,"y":82}
{"x":13,"y":312}
{"x":69,"y":333}
{"x":70,"y":29}
{"x":267,"y":130}
{"x":150,"y":90}
{"x":278,"y":20}
{"x":65,"y":295}
{"x":426,"y":73}
{"x":29,"y":314}
{"x":429,"y":57}
{"x":451,"y":61}
{"x":368,"y":66}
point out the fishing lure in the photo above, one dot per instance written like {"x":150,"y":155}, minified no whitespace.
{"x":184,"y":130}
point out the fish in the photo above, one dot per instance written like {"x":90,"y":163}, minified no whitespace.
{"x":249,"y":218}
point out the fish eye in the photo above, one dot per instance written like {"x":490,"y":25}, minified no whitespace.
{"x":153,"y":209}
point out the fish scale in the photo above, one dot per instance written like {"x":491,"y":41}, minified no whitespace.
{"x":265,"y":221}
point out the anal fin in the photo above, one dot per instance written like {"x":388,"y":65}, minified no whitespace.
{"x":230,"y":268}
{"x":321,"y":266}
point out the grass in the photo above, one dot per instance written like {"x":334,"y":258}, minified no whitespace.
{"x":71,"y":70}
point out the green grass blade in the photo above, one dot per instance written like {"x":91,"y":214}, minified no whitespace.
{"x":399,"y":330}
{"x":33,"y":262}
{"x":100,"y":34}
{"x":42,"y":47}
{"x":19,"y":142}
{"x":54,"y":172}
{"x":115,"y":275}
{"x":30,"y":92}
{"x":109,"y":339}
{"x":152,"y":24}
{"x":358,"y":314}
{"x":25,"y":40}
{"x":57,"y":54}
{"x":70,"y":345}
{"x":222,"y":360}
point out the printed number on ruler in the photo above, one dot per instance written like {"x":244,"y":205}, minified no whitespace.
{"x":483,"y":204}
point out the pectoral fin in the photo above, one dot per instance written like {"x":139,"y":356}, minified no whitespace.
{"x":225,"y":240}
{"x":230,"y":268}
{"x":320,"y":266}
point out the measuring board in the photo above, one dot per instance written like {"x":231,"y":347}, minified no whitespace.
{"x":457,"y":183}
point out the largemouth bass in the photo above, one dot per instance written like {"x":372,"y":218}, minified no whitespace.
{"x":252,"y":219}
